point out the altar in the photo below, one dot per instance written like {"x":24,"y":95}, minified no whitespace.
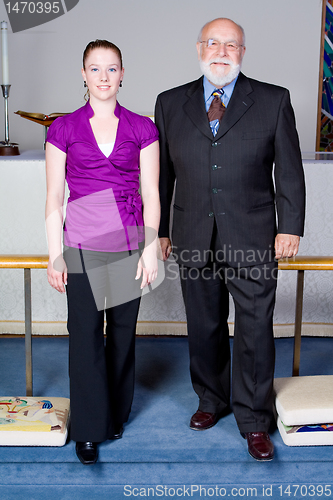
{"x":22,"y":231}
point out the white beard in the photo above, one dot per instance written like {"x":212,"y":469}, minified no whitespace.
{"x":220,"y":80}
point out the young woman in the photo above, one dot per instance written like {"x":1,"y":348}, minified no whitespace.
{"x":110,"y":243}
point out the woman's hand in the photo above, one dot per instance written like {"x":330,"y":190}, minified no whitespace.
{"x":148,"y":266}
{"x":57,"y":277}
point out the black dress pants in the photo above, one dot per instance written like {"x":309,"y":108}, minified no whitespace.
{"x":101,"y":374}
{"x":206,"y":296}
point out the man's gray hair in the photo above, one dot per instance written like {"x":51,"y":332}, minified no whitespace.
{"x":222,"y":19}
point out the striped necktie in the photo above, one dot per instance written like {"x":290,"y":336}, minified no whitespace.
{"x":216,"y":110}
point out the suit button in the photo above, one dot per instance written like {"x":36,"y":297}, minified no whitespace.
{"x":214,"y":167}
{"x":214,"y":190}
{"x":214,"y":144}
{"x":211,"y":214}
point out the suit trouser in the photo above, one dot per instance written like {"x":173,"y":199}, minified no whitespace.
{"x":101,"y":374}
{"x":206,"y":300}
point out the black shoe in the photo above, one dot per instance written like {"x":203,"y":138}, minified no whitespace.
{"x":87,"y":452}
{"x":118,"y":432}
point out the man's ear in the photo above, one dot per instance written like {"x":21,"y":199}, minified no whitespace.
{"x":199,"y":50}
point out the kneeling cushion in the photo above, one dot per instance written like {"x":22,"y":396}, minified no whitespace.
{"x":30,"y":421}
{"x":304,"y":400}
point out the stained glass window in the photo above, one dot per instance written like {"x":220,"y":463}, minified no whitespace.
{"x":325,"y":125}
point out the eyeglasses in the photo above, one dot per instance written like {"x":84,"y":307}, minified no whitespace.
{"x":212,"y":44}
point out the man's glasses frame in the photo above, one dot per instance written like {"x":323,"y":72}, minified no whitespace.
{"x":213,"y":44}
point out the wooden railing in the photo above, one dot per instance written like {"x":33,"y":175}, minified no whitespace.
{"x":301,"y":264}
{"x":28,"y":262}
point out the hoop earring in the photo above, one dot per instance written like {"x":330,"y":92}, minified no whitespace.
{"x":121,"y":84}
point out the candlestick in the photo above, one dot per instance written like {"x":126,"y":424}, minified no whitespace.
{"x":4,"y":51}
{"x":6,"y":148}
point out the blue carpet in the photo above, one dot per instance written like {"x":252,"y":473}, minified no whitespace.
{"x":159,"y":455}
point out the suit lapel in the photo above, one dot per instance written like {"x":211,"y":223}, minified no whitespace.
{"x":194,"y":107}
{"x":239,"y":103}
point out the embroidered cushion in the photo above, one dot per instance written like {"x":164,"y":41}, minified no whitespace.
{"x":32,"y":421}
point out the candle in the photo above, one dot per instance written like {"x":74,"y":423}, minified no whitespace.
{"x":4,"y":50}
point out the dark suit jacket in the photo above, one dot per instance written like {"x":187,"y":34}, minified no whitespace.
{"x":230,"y":177}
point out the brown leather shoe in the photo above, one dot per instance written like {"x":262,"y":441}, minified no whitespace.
{"x":202,"y":420}
{"x":260,"y":445}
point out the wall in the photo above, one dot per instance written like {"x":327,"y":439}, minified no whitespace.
{"x":157,"y":39}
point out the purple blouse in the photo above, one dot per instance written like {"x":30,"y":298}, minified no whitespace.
{"x":104,"y":210}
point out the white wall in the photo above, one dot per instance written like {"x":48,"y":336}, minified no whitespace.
{"x":157,"y":38}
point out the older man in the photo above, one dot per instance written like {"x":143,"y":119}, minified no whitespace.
{"x":219,"y":138}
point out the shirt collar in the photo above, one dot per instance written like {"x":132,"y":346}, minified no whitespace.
{"x":228,"y":90}
{"x":90,"y":111}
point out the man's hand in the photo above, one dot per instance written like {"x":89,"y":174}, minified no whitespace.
{"x":286,"y":245}
{"x":166,"y":248}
